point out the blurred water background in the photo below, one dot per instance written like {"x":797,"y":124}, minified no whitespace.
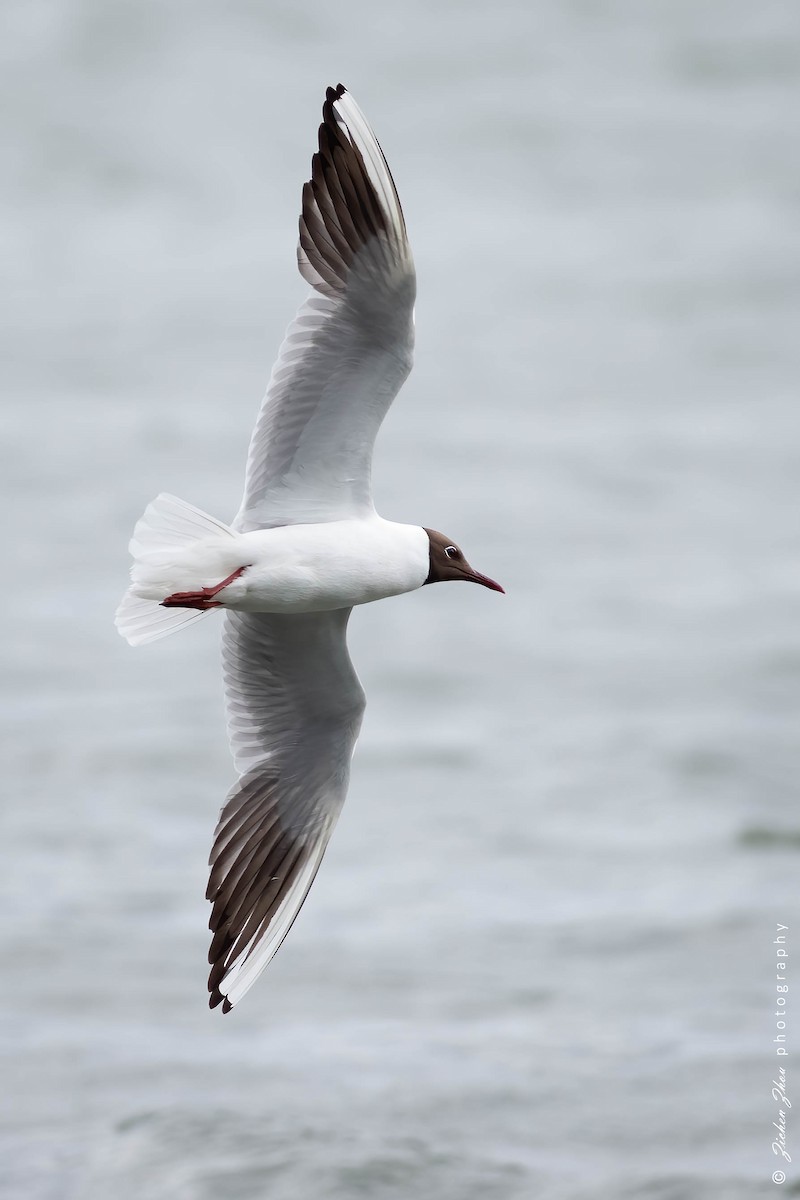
{"x":538,"y":961}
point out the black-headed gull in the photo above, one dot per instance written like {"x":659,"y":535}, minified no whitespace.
{"x":304,"y":548}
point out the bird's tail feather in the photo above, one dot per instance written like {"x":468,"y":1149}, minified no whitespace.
{"x":167,"y":528}
{"x":140,"y":621}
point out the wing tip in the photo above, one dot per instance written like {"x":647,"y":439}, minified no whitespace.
{"x":331,"y":96}
{"x":216,"y":998}
{"x":350,"y":200}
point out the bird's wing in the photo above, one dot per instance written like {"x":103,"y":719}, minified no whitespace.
{"x":349,"y":349}
{"x":294,"y":708}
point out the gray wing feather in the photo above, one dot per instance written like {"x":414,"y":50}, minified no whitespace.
{"x":294,"y":708}
{"x":348,"y":351}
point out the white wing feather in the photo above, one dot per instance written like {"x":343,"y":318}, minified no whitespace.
{"x":348,"y":351}
{"x":294,"y":708}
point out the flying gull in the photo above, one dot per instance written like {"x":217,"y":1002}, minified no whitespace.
{"x":306,"y":546}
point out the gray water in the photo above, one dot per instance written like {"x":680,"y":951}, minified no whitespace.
{"x":538,"y":960}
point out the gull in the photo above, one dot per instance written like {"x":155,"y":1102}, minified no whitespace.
{"x":306,"y":546}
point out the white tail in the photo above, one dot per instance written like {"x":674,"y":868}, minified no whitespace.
{"x":165,"y":531}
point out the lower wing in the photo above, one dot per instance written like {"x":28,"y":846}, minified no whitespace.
{"x":294,"y":708}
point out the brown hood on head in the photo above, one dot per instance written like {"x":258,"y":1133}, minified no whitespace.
{"x":448,"y":562}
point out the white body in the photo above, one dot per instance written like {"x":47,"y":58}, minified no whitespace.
{"x":294,"y":568}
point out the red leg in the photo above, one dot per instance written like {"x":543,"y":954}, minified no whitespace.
{"x":204,"y":598}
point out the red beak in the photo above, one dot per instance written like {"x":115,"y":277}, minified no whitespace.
{"x":485,"y":581}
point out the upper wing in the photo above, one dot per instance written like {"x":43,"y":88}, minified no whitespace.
{"x":348,"y":351}
{"x":294,"y":708}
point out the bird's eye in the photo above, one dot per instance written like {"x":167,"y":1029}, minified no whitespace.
{"x":452,"y":551}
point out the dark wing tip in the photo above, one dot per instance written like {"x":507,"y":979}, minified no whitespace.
{"x":342,"y":208}
{"x":331,"y":96}
{"x":217,"y":998}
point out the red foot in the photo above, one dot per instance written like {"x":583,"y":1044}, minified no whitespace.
{"x":204,"y":599}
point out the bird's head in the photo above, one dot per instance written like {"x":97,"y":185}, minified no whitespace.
{"x":447,"y":561}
